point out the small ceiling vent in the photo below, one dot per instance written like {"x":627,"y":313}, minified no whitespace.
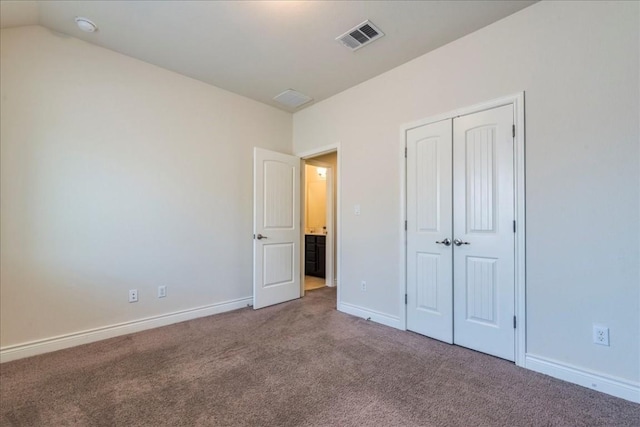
{"x":360,"y":35}
{"x":292,"y":98}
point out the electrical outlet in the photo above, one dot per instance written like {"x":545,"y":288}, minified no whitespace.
{"x":162,"y":291}
{"x":363,"y":286}
{"x":600,"y":335}
{"x":133,"y":295}
{"x":356,"y":209}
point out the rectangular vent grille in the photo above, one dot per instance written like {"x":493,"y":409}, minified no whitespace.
{"x":360,"y":35}
{"x":368,"y":31}
{"x":292,"y":98}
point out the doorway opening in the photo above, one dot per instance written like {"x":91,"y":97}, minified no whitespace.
{"x":319,"y":221}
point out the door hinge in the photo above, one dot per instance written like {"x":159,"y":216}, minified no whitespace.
{"x":513,"y":131}
{"x":514,"y":322}
{"x":406,"y":298}
{"x":405,"y":225}
{"x":405,"y":152}
{"x":514,"y":225}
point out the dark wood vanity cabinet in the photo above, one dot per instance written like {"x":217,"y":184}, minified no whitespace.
{"x":315,"y":255}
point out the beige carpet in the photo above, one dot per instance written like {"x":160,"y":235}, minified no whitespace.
{"x":260,"y":368}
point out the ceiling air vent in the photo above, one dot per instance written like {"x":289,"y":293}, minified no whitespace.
{"x":292,"y":98}
{"x":360,"y":35}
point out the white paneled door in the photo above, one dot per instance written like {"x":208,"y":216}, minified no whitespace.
{"x":429,"y":231}
{"x":460,"y":231}
{"x":483,"y":230}
{"x":276,"y":227}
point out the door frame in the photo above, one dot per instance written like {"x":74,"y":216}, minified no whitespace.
{"x":308,"y":154}
{"x":517,"y":100}
{"x":329,"y":267}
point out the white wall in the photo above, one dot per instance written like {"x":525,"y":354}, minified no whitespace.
{"x":117,"y":174}
{"x":578,"y":63}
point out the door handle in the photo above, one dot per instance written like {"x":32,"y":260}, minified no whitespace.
{"x":445,"y":242}
{"x":260,"y":237}
{"x":459,"y":242}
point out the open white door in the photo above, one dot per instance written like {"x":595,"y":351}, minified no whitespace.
{"x":276,"y":228}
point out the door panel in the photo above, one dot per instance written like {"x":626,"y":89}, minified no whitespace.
{"x":429,"y":220}
{"x":480,"y":172}
{"x":278,"y":264}
{"x":483,"y":205}
{"x":481,"y":290}
{"x":278,"y":184}
{"x":276,"y":256}
{"x":427,"y":277}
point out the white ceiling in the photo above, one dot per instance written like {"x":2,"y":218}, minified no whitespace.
{"x":260,"y":48}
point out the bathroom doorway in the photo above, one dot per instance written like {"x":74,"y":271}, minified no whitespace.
{"x":319,"y":209}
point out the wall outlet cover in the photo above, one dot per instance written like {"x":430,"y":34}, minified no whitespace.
{"x":600,"y":335}
{"x":133,"y":295}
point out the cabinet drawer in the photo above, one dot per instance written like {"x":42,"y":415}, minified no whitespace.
{"x":310,"y":256}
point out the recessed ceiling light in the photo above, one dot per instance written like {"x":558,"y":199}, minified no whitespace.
{"x":85,"y":24}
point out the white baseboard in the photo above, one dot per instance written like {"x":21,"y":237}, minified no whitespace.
{"x":596,"y":381}
{"x":60,"y":342}
{"x":372,"y":315}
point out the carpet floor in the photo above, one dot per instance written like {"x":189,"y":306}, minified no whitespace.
{"x":300,"y":363}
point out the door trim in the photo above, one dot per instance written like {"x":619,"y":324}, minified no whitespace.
{"x":517,"y":100}
{"x":329,"y":221}
{"x":337,"y":220}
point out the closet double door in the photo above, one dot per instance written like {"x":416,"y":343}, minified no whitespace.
{"x":460,"y":231}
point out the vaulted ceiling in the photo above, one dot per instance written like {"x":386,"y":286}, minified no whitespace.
{"x":260,"y":48}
